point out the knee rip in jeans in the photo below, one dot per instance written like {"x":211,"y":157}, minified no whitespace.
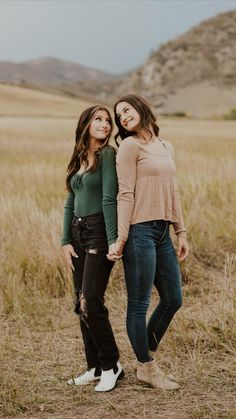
{"x":92,"y":251}
{"x":83,"y":304}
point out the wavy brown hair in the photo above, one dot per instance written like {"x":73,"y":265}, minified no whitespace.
{"x":147,"y":118}
{"x":80,"y":153}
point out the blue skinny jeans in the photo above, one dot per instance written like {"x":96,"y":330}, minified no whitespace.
{"x":150,"y":259}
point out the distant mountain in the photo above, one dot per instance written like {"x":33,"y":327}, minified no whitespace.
{"x":194,"y":73}
{"x":49,"y":71}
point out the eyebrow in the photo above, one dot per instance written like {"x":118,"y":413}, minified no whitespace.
{"x":100,"y":116}
{"x":122,"y":109}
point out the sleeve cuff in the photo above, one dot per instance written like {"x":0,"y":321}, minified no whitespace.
{"x":181,"y":234}
{"x":122,"y":238}
{"x":111,"y":241}
{"x":65,"y":242}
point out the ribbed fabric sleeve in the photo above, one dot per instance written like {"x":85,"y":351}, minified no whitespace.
{"x":179,"y":227}
{"x":147,"y":185}
{"x":109,"y":193}
{"x":126,"y":166}
{"x":67,"y":219}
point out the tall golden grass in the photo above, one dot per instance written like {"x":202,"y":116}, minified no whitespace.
{"x":40,"y":339}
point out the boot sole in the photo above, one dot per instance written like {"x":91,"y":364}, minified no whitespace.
{"x":159,"y":388}
{"x":72,"y":382}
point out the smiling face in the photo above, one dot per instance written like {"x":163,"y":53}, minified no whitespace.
{"x":128,"y":117}
{"x":100,"y":126}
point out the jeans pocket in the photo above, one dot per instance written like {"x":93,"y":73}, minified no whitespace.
{"x":163,"y":236}
{"x":141,"y":235}
{"x":95,"y":226}
{"x":75,"y":233}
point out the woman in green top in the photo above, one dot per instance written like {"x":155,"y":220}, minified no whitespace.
{"x":89,"y":233}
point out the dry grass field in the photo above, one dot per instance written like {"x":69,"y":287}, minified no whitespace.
{"x":40,"y":343}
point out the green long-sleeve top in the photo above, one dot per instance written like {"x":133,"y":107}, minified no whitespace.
{"x":94,"y":192}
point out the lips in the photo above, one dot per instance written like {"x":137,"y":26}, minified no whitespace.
{"x":128,"y":121}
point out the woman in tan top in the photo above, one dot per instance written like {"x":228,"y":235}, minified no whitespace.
{"x":148,"y":203}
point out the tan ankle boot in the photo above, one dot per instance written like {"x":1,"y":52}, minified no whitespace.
{"x":150,"y":373}
{"x":169,"y":376}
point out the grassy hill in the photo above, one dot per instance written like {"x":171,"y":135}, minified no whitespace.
{"x":20,"y":101}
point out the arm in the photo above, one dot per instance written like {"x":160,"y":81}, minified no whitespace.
{"x":68,"y":249}
{"x":68,"y":216}
{"x":179,"y":228}
{"x":109,"y":192}
{"x":126,"y":164}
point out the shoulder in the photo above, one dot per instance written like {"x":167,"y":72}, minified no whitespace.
{"x":130,"y":144}
{"x":166,"y":143}
{"x":169,"y":147}
{"x":130,"y":140}
{"x":107,"y":157}
{"x":108,"y":151}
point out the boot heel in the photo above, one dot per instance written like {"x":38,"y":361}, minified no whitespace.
{"x":121,"y":375}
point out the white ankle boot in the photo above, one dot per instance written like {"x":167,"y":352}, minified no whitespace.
{"x":86,"y":378}
{"x":109,"y":378}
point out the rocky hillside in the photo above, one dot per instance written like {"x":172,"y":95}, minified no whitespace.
{"x":194,"y":73}
{"x":50,"y":72}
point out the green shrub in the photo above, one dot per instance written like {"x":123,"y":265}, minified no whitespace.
{"x":178,"y":114}
{"x":231,"y":115}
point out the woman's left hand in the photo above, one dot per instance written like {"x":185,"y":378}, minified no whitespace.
{"x":112,"y":253}
{"x":120,"y":244}
{"x":183,"y":249}
{"x":116,"y":250}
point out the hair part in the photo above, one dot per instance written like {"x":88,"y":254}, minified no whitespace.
{"x":81,"y":148}
{"x":147,"y":117}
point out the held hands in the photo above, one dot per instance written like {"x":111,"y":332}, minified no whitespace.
{"x":183,"y":249}
{"x":115,"y":251}
{"x":68,"y":251}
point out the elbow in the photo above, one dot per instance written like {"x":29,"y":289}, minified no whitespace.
{"x":108,"y":201}
{"x":125,"y":196}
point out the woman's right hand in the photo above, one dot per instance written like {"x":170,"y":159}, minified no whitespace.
{"x":183,"y":249}
{"x":112,"y":255}
{"x":120,"y":244}
{"x":68,"y":251}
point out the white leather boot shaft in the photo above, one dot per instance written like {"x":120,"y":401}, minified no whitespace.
{"x":109,"y":378}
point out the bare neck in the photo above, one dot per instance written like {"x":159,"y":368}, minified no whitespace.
{"x":146,"y":135}
{"x":94,"y":144}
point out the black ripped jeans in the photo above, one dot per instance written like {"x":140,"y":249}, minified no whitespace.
{"x":91,"y":275}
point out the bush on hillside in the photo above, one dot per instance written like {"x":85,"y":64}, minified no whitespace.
{"x":231,"y":115}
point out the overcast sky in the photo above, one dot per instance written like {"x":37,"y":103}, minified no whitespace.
{"x":111,"y":35}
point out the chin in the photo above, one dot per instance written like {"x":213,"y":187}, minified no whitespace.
{"x":132,"y":128}
{"x":102,"y":138}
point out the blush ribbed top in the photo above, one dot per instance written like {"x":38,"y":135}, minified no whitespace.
{"x":147,"y":186}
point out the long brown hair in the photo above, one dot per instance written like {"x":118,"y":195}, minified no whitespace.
{"x":147,"y":118}
{"x":80,"y":153}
